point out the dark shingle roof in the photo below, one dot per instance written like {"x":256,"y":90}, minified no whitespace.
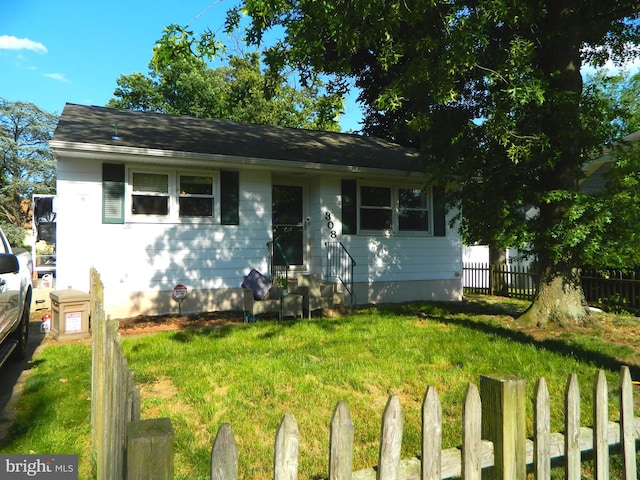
{"x":81,"y":124}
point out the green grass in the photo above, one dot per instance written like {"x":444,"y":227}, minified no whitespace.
{"x":250,"y":375}
{"x":53,"y":413}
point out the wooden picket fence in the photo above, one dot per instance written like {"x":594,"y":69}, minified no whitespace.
{"x":112,"y":398}
{"x":494,"y":442}
{"x":494,"y":427}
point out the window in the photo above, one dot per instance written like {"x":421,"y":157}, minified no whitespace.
{"x":393,"y":209}
{"x":196,"y":196}
{"x":417,"y":211}
{"x":413,"y":213}
{"x":150,"y":194}
{"x":169,"y":196}
{"x":375,"y":208}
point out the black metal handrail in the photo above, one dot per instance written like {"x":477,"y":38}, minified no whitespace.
{"x":340,"y":265}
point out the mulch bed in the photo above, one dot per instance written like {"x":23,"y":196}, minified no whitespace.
{"x":625,"y":334}
{"x":157,"y":323}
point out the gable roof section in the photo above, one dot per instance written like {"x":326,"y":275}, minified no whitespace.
{"x":88,"y":127}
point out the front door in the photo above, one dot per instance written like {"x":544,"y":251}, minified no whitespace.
{"x":288,"y":224}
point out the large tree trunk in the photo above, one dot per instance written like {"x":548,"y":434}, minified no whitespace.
{"x":498,"y":265}
{"x":560,"y":299}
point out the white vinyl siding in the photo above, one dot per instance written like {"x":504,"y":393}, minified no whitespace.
{"x":141,"y":262}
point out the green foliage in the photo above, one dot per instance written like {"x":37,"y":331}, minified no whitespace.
{"x":614,"y":234}
{"x":490,"y":91}
{"x":181,"y":82}
{"x":15,"y":234}
{"x":27,"y":165}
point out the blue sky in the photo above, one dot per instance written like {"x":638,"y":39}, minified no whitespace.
{"x":58,"y":51}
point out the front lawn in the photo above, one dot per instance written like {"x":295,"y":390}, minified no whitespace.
{"x":250,"y":375}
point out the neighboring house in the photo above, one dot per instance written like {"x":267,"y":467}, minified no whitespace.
{"x":594,"y":180}
{"x":595,"y":172}
{"x":153,"y":200}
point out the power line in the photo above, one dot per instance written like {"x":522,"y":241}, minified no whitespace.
{"x":203,"y":12}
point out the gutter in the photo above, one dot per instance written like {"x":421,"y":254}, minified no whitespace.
{"x":122,"y":154}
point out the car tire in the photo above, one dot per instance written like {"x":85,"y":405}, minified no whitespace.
{"x":22,"y":335}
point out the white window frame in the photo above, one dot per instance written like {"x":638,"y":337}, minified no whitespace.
{"x":428,"y":208}
{"x":173,"y":215}
{"x":389,"y":209}
{"x":144,"y":193}
{"x":395,"y":209}
{"x":212,"y":197}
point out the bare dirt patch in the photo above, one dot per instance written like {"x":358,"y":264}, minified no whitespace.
{"x":499,"y":315}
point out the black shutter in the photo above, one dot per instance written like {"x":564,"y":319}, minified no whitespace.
{"x":349,"y":207}
{"x":113,"y":184}
{"x":439,"y":212}
{"x":229,"y":198}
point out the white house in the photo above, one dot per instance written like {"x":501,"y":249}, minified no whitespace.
{"x":153,"y":200}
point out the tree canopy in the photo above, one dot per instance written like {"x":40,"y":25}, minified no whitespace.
{"x":28,"y":165}
{"x":181,"y":82}
{"x":491,"y":92}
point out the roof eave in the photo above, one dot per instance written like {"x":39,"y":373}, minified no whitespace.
{"x":124,"y":154}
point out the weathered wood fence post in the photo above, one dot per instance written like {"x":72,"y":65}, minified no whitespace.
{"x":431,"y":464}
{"x":224,"y":455}
{"x":390,"y":441}
{"x":471,"y":434}
{"x":542,"y":426}
{"x":341,"y":440}
{"x":150,"y":450}
{"x":627,"y":424}
{"x":286,"y":449}
{"x":504,"y":423}
{"x":601,"y":426}
{"x":572,"y":466}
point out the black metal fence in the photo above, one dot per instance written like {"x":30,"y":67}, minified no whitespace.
{"x":612,"y":289}
{"x":609,"y":289}
{"x":506,"y":280}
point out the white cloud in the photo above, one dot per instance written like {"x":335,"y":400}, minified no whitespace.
{"x":8,"y":42}
{"x":57,"y":76}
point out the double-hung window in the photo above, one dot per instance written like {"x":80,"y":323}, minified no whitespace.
{"x":390,"y":209}
{"x":140,"y":194}
{"x":150,"y":193}
{"x":172,"y":196}
{"x":375,"y":208}
{"x":394,"y":209}
{"x":413,"y":210}
{"x":196,"y":196}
